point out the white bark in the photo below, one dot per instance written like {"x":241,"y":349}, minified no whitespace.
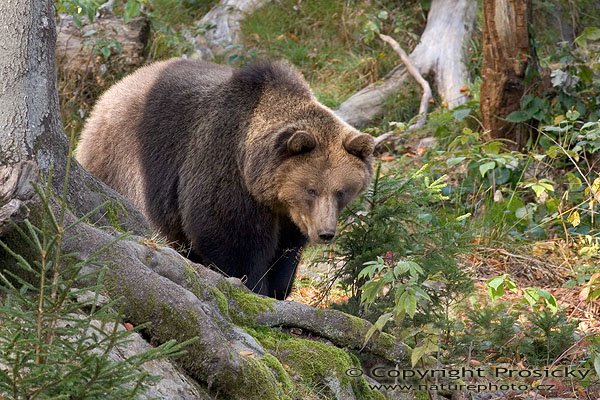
{"x":441,"y":52}
{"x":222,"y":24}
{"x":441,"y":49}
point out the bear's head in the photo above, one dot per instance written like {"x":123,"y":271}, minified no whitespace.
{"x":303,"y":161}
{"x":320,"y":175}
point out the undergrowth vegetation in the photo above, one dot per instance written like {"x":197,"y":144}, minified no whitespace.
{"x":59,"y":340}
{"x":332,"y":42}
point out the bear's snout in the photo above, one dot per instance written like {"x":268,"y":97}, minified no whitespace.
{"x":326,"y":236}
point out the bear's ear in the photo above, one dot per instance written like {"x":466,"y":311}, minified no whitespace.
{"x":300,"y":142}
{"x":361,"y":146}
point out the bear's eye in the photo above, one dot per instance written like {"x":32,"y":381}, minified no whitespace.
{"x":340,"y":195}
{"x":312,"y":192}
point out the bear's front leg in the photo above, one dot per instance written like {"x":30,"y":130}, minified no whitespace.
{"x":282,"y":271}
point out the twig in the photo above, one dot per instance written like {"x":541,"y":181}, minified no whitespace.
{"x":379,"y":140}
{"x":410,"y":67}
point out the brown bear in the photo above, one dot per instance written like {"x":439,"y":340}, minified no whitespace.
{"x":243,"y":165}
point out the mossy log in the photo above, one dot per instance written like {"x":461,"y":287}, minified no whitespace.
{"x":79,"y":49}
{"x":184,"y":300}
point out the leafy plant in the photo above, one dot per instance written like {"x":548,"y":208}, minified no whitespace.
{"x":79,"y":9}
{"x":548,"y":336}
{"x":504,"y":329}
{"x":534,"y":297}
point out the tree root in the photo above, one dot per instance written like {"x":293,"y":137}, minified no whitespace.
{"x":184,"y":300}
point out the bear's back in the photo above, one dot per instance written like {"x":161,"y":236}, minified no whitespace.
{"x":136,"y":137}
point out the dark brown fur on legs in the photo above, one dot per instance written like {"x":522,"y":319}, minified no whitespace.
{"x":244,"y":164}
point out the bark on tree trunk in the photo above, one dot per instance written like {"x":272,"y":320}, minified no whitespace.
{"x":505,"y":60}
{"x":30,"y":127}
{"x":156,"y":284}
{"x":441,"y":52}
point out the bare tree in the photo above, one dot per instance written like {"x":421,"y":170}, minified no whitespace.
{"x":441,"y":52}
{"x":180,"y":299}
{"x":506,"y":55}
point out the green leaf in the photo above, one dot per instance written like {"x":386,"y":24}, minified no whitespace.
{"x":553,"y":151}
{"x":417,"y":354}
{"x":573,"y":181}
{"x":411,"y":304}
{"x":496,"y":282}
{"x":377,"y":326}
{"x":461,"y":114}
{"x":105,"y":52}
{"x":519,"y":116}
{"x":572,"y":115}
{"x":426,"y":348}
{"x":597,"y":363}
{"x":455,"y":161}
{"x":574,"y":218}
{"x":370,"y":290}
{"x":538,"y":189}
{"x":484,"y":168}
{"x":132,"y":10}
{"x":521,"y":212}
{"x":531,"y":295}
{"x":549,"y":299}
{"x":463,"y":217}
{"x":590,"y":33}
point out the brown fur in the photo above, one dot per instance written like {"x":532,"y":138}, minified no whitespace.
{"x":243,"y":165}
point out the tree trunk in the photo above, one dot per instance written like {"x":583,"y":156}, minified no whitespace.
{"x":505,"y":60}
{"x":30,"y":127}
{"x":242,"y":351}
{"x":441,"y":52}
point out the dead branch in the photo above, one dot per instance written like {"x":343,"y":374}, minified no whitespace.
{"x":410,"y":67}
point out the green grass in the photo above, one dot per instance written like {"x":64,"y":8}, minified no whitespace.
{"x":326,"y":40}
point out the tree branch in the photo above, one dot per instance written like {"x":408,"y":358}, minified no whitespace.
{"x":410,"y":67}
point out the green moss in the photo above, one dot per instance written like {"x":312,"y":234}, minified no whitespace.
{"x":221,"y":300}
{"x":113,"y":208}
{"x":247,"y":304}
{"x":310,"y":362}
{"x":358,"y":324}
{"x":277,"y":368}
{"x":199,"y":288}
{"x":387,"y":341}
{"x":256,"y":373}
